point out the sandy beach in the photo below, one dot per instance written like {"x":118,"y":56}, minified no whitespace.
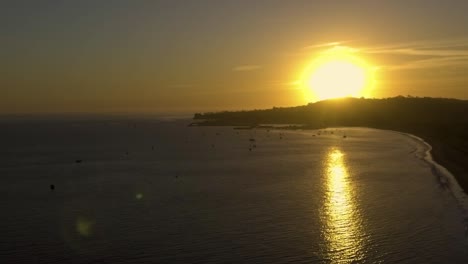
{"x":452,"y":158}
{"x":449,"y":147}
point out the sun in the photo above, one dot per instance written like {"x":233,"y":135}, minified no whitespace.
{"x":337,"y":72}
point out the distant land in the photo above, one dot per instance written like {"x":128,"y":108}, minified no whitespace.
{"x":441,"y":122}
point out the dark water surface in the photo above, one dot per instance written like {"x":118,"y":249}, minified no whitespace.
{"x":161,"y":192}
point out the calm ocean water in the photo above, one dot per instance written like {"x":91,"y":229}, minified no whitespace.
{"x":161,"y":192}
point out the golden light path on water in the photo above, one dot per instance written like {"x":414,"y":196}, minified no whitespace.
{"x":342,"y":222}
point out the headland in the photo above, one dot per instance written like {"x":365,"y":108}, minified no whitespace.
{"x":441,"y":122}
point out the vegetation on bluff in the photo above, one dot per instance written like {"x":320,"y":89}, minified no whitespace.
{"x":388,"y":112}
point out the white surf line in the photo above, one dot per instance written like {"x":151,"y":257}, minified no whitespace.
{"x":445,"y":176}
{"x":451,"y":182}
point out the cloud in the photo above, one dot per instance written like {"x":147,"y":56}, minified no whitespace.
{"x":419,"y":54}
{"x":246,"y":68}
{"x":327,"y":44}
{"x":425,"y":44}
{"x":423,"y":54}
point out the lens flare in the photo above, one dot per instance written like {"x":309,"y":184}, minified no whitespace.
{"x":84,"y":226}
{"x":139,"y":196}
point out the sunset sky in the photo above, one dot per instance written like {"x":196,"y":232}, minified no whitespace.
{"x":186,"y":56}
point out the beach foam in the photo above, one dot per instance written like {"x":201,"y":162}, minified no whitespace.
{"x":445,"y":178}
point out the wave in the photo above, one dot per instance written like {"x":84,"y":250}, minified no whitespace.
{"x":444,"y":177}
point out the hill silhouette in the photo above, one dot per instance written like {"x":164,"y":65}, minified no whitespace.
{"x":442,"y":122}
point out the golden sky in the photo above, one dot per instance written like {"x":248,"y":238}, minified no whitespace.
{"x":186,"y":56}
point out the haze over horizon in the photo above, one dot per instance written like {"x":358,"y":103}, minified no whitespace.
{"x":180,"y":56}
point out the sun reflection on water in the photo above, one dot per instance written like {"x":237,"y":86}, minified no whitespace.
{"x":342,"y":223}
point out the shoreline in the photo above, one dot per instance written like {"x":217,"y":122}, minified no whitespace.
{"x":441,"y":122}
{"x":449,"y":150}
{"x":451,"y":159}
{"x":446,"y":178}
{"x":444,"y":151}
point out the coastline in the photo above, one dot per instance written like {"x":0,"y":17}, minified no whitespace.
{"x":441,"y":122}
{"x":449,"y":144}
{"x":449,"y":149}
{"x":445,"y":177}
{"x":454,"y":160}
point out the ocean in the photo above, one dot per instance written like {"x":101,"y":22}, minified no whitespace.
{"x":129,"y":190}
